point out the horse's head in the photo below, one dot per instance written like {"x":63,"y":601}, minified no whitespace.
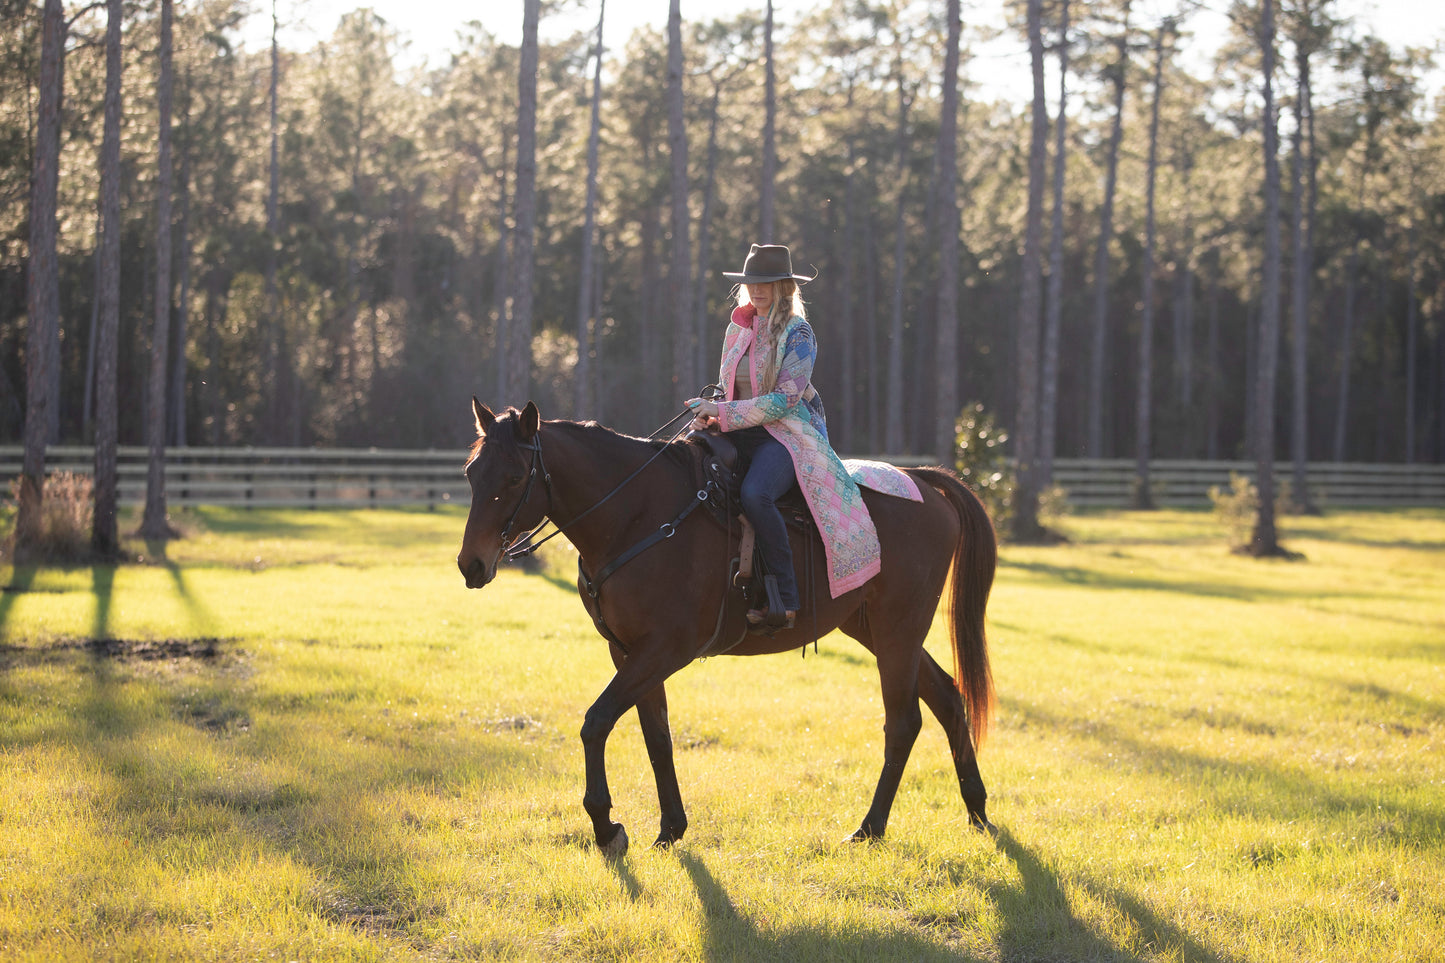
{"x":503,"y":503}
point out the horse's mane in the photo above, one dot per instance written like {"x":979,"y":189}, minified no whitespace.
{"x":679,"y":451}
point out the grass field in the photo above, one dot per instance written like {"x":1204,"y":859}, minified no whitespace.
{"x":306,"y":740}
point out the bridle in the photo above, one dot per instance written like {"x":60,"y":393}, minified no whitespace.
{"x":524,"y":544}
{"x":508,"y":547}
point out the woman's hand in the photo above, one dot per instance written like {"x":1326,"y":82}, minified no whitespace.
{"x":704,"y":411}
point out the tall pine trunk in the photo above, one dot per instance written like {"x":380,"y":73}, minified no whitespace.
{"x":893,"y":426}
{"x":1118,"y":76}
{"x":700,"y":339}
{"x":770,"y":160}
{"x":584,"y":395}
{"x":275,"y":360}
{"x":104,"y":536}
{"x":1143,"y":404}
{"x":502,"y":279}
{"x":1026,"y":436}
{"x":518,"y":371}
{"x":42,"y":294}
{"x":1300,"y":289}
{"x":177,"y":403}
{"x":153,"y":523}
{"x":848,"y":316}
{"x":1054,"y":309}
{"x":1265,"y":540}
{"x":684,"y":379}
{"x":946,"y":353}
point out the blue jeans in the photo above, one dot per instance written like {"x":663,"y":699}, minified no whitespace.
{"x":770,"y":475}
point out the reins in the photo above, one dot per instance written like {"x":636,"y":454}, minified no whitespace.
{"x":524,"y":544}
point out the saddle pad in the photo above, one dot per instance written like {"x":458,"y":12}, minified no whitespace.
{"x":882,"y":477}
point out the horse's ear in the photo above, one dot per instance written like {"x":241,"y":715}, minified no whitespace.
{"x":484,"y":417}
{"x":530,"y":421}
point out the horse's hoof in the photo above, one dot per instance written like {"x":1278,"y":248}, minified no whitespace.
{"x":980,"y":823}
{"x":616,"y":847}
{"x":861,"y":835}
{"x":663,"y":841}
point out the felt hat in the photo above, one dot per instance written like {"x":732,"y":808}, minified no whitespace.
{"x":767,"y":262}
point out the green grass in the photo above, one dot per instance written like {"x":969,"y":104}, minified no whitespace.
{"x":1198,"y":756}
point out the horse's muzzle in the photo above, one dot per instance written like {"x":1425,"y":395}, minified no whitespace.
{"x":475,"y":572}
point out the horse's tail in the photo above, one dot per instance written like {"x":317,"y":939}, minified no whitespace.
{"x":975,"y":558}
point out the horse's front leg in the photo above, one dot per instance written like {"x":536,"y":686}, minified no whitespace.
{"x":657,"y":735}
{"x":638,"y":680}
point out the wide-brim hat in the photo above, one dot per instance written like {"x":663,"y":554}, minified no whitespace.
{"x":767,"y":262}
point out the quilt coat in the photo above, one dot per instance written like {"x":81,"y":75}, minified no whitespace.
{"x":793,"y":414}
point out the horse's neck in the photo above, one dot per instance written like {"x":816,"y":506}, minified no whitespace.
{"x":591,"y":462}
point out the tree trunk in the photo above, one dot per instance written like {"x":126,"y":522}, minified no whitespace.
{"x":87,"y":404}
{"x":518,"y":373}
{"x":847,"y":318}
{"x":1412,"y":335}
{"x":104,"y":536}
{"x":1347,"y":344}
{"x":42,"y":278}
{"x":501,"y":282}
{"x":153,"y":523}
{"x":584,"y":401}
{"x":274,"y":358}
{"x":1183,"y":317}
{"x":870,"y":325}
{"x":1212,"y":361}
{"x":1054,"y":311}
{"x":1026,"y":435}
{"x":946,"y":345}
{"x":893,"y":430}
{"x":770,"y":160}
{"x":177,"y":403}
{"x":1265,"y":541}
{"x":701,"y":340}
{"x":1118,"y":75}
{"x":1300,"y":291}
{"x":1143,"y":405}
{"x":683,"y":383}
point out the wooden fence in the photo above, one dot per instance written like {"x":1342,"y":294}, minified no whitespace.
{"x":321,"y":478}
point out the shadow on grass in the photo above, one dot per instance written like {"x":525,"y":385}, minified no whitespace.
{"x":201,"y":616}
{"x":20,"y":581}
{"x":1039,"y":912}
{"x":730,"y":934}
{"x":290,"y":792}
{"x":1250,"y":787}
{"x":102,"y":586}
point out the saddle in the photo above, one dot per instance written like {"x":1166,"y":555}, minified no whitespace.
{"x":723,"y":467}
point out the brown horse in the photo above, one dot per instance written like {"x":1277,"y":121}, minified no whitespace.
{"x":659,"y":607}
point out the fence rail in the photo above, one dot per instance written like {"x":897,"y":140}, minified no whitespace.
{"x":352,"y":477}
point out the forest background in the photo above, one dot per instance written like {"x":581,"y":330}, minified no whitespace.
{"x":349,"y":259}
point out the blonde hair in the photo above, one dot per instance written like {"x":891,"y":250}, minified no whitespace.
{"x":787,"y":304}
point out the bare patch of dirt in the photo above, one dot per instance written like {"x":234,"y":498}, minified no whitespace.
{"x":204,"y":650}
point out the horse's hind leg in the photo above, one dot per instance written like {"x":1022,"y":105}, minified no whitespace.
{"x":898,"y":673}
{"x":937,"y":690}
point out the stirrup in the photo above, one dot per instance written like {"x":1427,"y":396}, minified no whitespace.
{"x":777,"y":616}
{"x":765,"y":619}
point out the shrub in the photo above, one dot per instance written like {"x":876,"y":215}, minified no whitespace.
{"x":1237,"y":508}
{"x":980,"y":460}
{"x":63,"y":535}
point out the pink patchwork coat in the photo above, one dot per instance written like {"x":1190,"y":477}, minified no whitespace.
{"x":793,"y":414}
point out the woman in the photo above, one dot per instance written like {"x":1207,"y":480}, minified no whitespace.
{"x":774,"y":414}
